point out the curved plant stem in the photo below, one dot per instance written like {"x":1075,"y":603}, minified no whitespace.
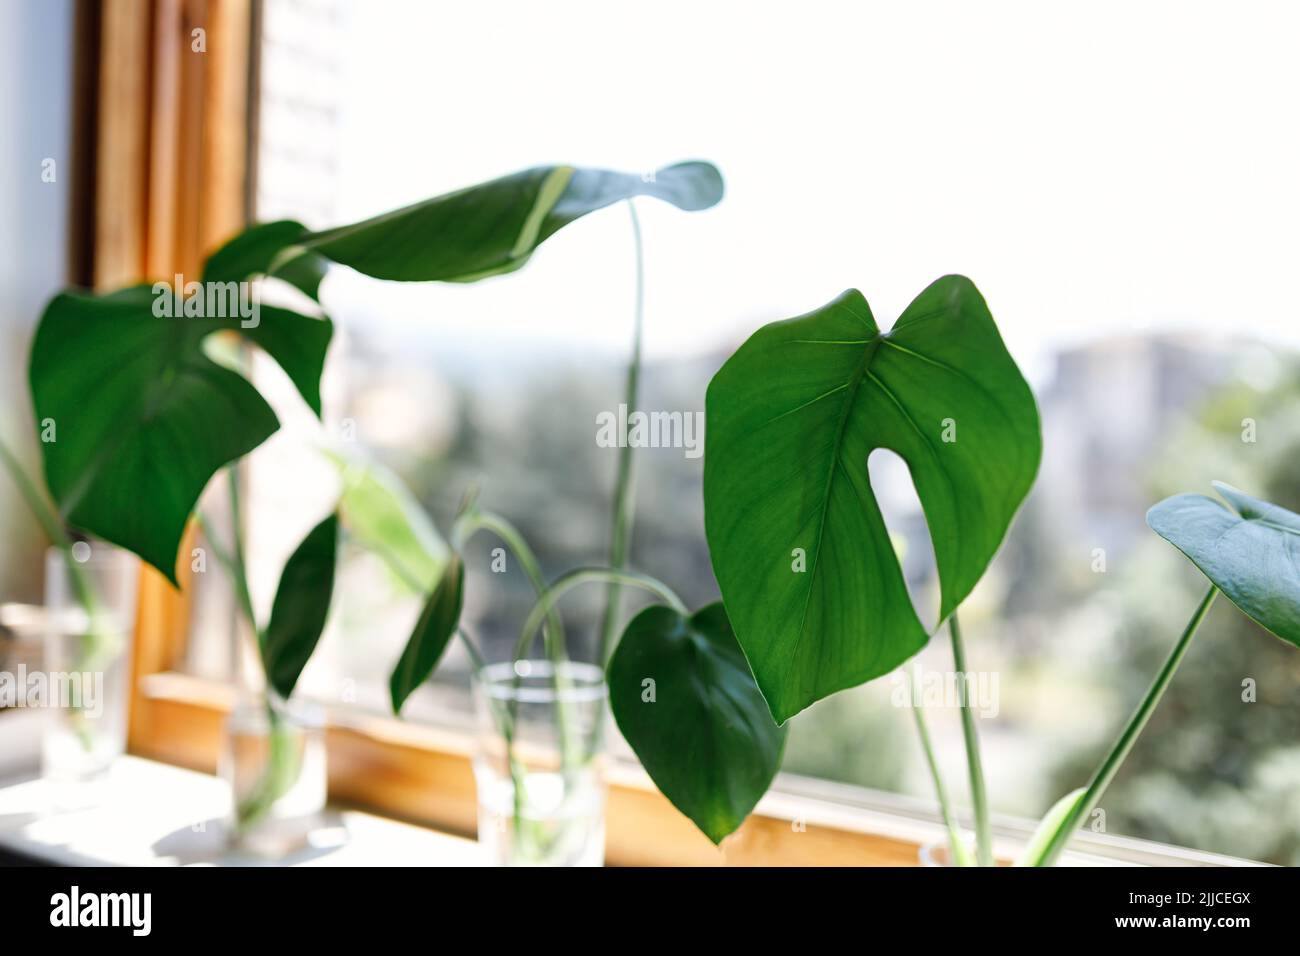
{"x":467,"y":523}
{"x":1106,"y":772}
{"x":541,"y":610}
{"x":625,"y":485}
{"x":473,"y":520}
{"x":567,"y":582}
{"x":979,"y":799}
{"x":40,"y":509}
{"x":960,"y":852}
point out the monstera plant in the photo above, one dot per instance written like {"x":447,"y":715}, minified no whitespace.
{"x":807,"y":569}
{"x":693,"y":656}
{"x":145,"y":417}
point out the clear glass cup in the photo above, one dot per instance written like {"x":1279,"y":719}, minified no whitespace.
{"x":541,"y":791}
{"x":274,"y":762}
{"x":89,"y":621}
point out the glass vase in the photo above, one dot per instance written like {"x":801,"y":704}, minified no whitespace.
{"x":274,"y":762}
{"x":89,"y":619}
{"x":541,"y":793}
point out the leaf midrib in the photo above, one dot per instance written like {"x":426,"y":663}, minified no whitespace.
{"x":853,"y":385}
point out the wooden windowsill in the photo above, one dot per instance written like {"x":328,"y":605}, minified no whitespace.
{"x":423,"y":775}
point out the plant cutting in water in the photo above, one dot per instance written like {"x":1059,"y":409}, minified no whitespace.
{"x":168,"y":418}
{"x":100,"y":641}
{"x":695,"y":655}
{"x":165,"y":419}
{"x":815,"y":600}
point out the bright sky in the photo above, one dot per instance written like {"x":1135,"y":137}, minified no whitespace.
{"x":1095,"y":167}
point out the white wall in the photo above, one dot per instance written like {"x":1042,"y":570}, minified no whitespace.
{"x":36,"y":42}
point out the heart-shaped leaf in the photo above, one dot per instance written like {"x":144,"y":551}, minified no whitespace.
{"x":687,"y":704}
{"x":493,"y":228}
{"x":302,"y":603}
{"x":135,"y":418}
{"x":432,"y":633}
{"x":800,"y":551}
{"x":1252,"y":555}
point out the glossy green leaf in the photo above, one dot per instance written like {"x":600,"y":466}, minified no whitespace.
{"x":136,"y":418}
{"x":382,"y":515}
{"x":433,"y":631}
{"x":302,"y":603}
{"x":1055,"y":818}
{"x":800,"y":551}
{"x":1251,"y":554}
{"x":493,"y":228}
{"x":269,"y":248}
{"x":687,"y":704}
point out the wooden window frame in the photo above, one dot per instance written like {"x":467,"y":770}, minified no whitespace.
{"x":169,"y":131}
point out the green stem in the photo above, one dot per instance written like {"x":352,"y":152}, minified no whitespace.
{"x":1110,"y":766}
{"x":238,"y":567}
{"x":979,"y":799}
{"x":567,"y":582}
{"x":625,"y":485}
{"x":960,"y":852}
{"x":468,"y":522}
{"x":227,"y":562}
{"x":283,"y":757}
{"x":283,"y":766}
{"x":472,"y":521}
{"x":50,"y":522}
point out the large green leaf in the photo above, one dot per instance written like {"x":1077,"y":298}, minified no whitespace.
{"x":686,"y":702}
{"x":494,"y":227}
{"x":142,"y":418}
{"x":432,"y":633}
{"x":791,"y":419}
{"x":383,"y":516}
{"x":1252,"y":555}
{"x":302,"y":603}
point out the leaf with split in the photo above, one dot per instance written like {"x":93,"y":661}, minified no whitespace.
{"x":301,"y":606}
{"x":141,"y":418}
{"x":382,"y":515}
{"x":432,"y":633}
{"x":798,"y":545}
{"x":1251,"y":554}
{"x":493,"y":228}
{"x":686,"y":702}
